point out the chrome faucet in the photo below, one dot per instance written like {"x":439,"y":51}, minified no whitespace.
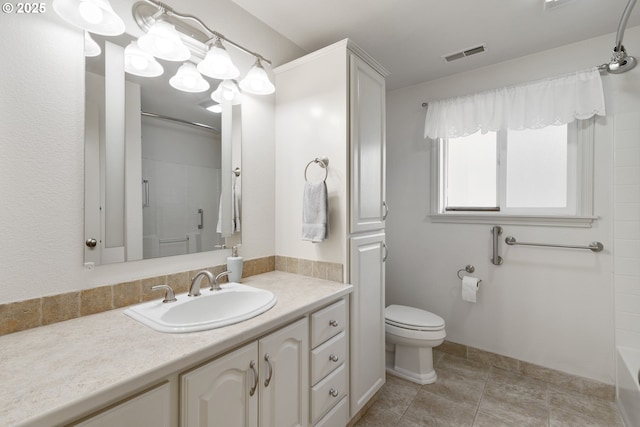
{"x":169,"y":295}
{"x":215,"y":286}
{"x":194,"y":289}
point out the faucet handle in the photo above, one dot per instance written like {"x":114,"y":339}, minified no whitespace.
{"x":215,"y":286}
{"x":169,"y":295}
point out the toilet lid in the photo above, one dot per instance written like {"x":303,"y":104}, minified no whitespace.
{"x":412,"y":318}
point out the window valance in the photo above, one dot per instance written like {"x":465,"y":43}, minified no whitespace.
{"x":554,"y":101}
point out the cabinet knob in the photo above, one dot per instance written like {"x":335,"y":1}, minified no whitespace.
{"x":91,"y":242}
{"x":333,"y":392}
{"x":333,"y":357}
{"x":333,"y":323}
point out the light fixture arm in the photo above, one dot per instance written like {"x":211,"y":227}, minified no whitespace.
{"x":164,"y":9}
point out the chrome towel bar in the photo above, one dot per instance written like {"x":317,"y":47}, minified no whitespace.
{"x":593,"y":246}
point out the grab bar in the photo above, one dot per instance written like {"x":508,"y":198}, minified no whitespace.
{"x":145,"y":182}
{"x":186,"y":239}
{"x":593,"y":246}
{"x":496,"y":259}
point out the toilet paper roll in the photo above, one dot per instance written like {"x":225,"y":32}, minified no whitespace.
{"x":469,"y":288}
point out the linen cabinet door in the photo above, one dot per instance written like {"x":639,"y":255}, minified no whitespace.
{"x":367,"y":119}
{"x":224,"y":392}
{"x":367,"y":318}
{"x":284,"y":377}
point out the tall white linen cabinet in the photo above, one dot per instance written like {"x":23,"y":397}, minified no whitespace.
{"x":332,"y":103}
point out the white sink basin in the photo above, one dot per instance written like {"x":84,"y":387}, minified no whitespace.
{"x":213,"y":309}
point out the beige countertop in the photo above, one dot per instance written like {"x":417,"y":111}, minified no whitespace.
{"x":54,"y":373}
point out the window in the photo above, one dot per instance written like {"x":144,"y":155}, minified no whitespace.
{"x":527,"y":176}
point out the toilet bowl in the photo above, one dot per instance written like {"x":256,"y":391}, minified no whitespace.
{"x":410,"y":335}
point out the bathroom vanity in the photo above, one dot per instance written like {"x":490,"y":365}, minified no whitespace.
{"x":286,"y":366}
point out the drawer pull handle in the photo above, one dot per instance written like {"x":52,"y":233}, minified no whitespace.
{"x":333,"y":357}
{"x":252,"y":366}
{"x":333,"y":323}
{"x":333,"y":392}
{"x":268,"y":380}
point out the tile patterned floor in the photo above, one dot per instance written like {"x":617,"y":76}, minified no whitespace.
{"x":469,"y":394}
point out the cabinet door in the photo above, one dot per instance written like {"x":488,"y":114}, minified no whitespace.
{"x":151,"y":408}
{"x":284,"y":377}
{"x":367,"y":109}
{"x":367,"y":318}
{"x":221,"y":393}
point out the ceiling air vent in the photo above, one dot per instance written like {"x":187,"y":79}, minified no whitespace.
{"x":465,"y":53}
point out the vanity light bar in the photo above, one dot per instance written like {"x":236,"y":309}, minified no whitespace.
{"x":147,"y":12}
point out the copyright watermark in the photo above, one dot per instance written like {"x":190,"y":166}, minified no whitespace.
{"x":24,"y":8}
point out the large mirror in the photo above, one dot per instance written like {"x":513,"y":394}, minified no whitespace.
{"x":162,"y":172}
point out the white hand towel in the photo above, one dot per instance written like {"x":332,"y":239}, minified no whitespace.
{"x":315,"y":212}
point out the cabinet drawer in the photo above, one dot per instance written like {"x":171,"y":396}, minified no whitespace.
{"x":337,"y":417}
{"x":328,"y":356}
{"x":328,"y":322}
{"x":328,"y":392}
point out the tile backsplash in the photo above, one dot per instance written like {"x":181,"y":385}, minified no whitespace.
{"x":21,"y":315}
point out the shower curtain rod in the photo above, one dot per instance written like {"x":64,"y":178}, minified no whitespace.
{"x":173,"y":119}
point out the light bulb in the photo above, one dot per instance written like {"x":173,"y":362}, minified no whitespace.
{"x":139,"y":62}
{"x":227,"y":91}
{"x":163,"y":45}
{"x":187,"y":79}
{"x":227,"y":94}
{"x":90,"y":12}
{"x":164,"y":42}
{"x":217,"y":63}
{"x":91,"y":48}
{"x":95,"y":16}
{"x":257,"y":81}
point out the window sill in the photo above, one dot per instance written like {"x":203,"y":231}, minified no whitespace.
{"x":499,"y":219}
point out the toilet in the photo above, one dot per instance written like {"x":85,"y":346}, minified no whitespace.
{"x":410,"y":335}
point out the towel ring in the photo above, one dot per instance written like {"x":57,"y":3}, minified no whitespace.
{"x":323,"y":162}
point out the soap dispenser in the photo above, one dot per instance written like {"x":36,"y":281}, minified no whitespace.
{"x":234,"y":265}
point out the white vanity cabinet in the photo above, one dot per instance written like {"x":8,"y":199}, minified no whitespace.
{"x":329,"y":366}
{"x":150,"y":408}
{"x":263,"y":383}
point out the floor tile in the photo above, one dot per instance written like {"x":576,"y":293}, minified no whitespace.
{"x":397,"y":394}
{"x":563,"y":403}
{"x":516,"y":399}
{"x":512,"y":386}
{"x":432,"y":410}
{"x":460,"y":385}
{"x":488,"y":420}
{"x":376,"y":417}
{"x":564,"y":418}
{"x":471,"y":394}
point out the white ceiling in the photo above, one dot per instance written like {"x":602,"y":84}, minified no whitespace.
{"x":409,"y":37}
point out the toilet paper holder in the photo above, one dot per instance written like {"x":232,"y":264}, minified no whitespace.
{"x":469,"y":269}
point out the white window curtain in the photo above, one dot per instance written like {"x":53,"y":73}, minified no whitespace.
{"x":554,"y":101}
